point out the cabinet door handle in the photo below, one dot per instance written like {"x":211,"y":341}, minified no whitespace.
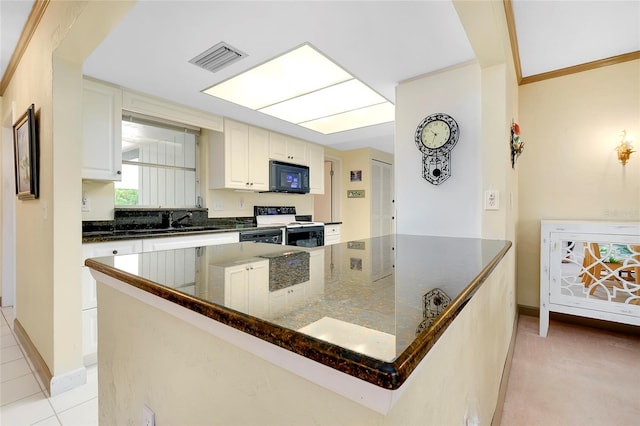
{"x":118,"y":172}
{"x":115,"y":252}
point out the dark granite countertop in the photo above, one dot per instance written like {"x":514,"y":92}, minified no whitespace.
{"x":392,"y":297}
{"x":100,"y":236}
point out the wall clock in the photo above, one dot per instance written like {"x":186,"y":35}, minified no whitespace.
{"x":436,"y":136}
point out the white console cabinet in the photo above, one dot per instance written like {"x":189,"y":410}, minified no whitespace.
{"x":590,"y":269}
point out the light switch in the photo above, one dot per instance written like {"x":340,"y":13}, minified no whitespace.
{"x":86,"y":202}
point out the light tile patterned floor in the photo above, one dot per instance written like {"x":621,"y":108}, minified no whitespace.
{"x":22,"y":399}
{"x":575,"y":376}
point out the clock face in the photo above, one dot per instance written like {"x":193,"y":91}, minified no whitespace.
{"x":435,"y":134}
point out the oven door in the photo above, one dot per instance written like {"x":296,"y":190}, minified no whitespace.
{"x":305,"y":236}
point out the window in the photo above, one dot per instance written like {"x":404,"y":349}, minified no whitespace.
{"x":159,"y":164}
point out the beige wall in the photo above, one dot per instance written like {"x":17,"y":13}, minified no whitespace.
{"x":48,"y":289}
{"x":356,"y":212}
{"x":569,"y":169}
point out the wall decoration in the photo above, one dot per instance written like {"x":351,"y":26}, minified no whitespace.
{"x":356,"y":175}
{"x":516,"y":144}
{"x":357,"y":245}
{"x":26,"y":155}
{"x":355,"y":193}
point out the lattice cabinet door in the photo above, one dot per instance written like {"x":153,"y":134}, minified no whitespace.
{"x":590,"y":269}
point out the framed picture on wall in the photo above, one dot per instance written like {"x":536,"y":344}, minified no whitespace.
{"x":26,"y":155}
{"x":356,"y":175}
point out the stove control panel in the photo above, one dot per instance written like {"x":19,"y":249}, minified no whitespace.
{"x":271,"y":211}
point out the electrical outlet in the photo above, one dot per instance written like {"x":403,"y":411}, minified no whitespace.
{"x":491,"y":199}
{"x":148,"y":416}
{"x":241,"y":203}
{"x":218,"y":205}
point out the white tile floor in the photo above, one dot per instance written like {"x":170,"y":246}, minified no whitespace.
{"x":22,"y":399}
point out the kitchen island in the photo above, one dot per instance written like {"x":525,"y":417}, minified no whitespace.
{"x":390,"y":330}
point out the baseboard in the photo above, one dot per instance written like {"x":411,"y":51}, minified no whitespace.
{"x":504,"y":381}
{"x":41,"y":368}
{"x":54,"y":385}
{"x":617,"y":327}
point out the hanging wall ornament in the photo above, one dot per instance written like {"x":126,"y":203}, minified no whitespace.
{"x":517,"y":144}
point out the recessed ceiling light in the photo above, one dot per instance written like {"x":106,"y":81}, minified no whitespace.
{"x":304,"y":86}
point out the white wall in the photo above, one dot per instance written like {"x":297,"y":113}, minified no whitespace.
{"x":453,"y":207}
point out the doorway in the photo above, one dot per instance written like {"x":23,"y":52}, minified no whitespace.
{"x":326,"y":207}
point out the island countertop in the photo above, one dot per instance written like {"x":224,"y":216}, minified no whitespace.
{"x":371,"y":308}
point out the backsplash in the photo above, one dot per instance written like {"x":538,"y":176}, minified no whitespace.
{"x":158,"y":218}
{"x":151,"y":218}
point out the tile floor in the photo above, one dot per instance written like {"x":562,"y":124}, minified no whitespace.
{"x":22,"y":399}
{"x":575,"y":376}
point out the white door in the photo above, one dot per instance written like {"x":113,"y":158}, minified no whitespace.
{"x":382,"y":207}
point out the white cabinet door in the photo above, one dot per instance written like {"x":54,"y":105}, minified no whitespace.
{"x":246,"y":287}
{"x":287,"y":149}
{"x":315,"y":160}
{"x":331,"y":234}
{"x":258,"y":294}
{"x":258,"y":159}
{"x":101,"y":131}
{"x":240,"y":159}
{"x":236,"y":288}
{"x":188,"y":241}
{"x":236,"y":142}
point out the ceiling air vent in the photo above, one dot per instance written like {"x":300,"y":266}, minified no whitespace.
{"x":217,"y":57}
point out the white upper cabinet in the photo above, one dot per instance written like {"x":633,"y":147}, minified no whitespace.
{"x":287,"y":149}
{"x":240,"y":158}
{"x":315,"y":161}
{"x":101,"y":131}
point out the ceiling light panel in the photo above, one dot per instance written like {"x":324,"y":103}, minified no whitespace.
{"x":363,"y":117}
{"x":339,"y":98}
{"x":296,"y":73}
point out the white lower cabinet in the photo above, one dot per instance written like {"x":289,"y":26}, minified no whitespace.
{"x":290,"y":298}
{"x":331,"y":234}
{"x":160,"y":266}
{"x":243,"y":287}
{"x":89,"y":295}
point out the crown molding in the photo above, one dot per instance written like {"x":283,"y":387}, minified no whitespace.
{"x":618,"y":59}
{"x":37,"y":11}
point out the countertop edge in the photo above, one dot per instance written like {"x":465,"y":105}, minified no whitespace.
{"x":387,"y":375}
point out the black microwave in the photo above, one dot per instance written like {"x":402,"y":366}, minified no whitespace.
{"x":285,"y":177}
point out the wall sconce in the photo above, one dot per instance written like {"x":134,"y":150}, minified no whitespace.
{"x":625,"y":148}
